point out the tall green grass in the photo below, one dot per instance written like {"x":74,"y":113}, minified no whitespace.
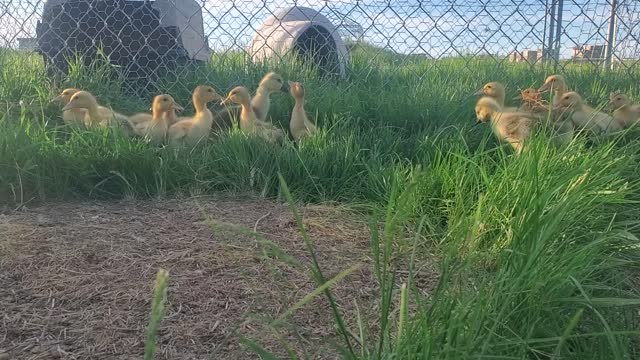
{"x":538,"y":253}
{"x":536,"y":262}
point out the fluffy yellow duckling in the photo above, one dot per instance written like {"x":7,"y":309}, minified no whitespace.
{"x":190,"y":131}
{"x":496,"y":91}
{"x":163,"y":114}
{"x":624,"y":112}
{"x":586,"y":117}
{"x":556,"y":83}
{"x":261,"y":102}
{"x":249,"y":123}
{"x":299,"y":125}
{"x":511,"y":126}
{"x":72,"y":116}
{"x":98,"y":115}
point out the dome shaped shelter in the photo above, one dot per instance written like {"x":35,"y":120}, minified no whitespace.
{"x":305,"y":32}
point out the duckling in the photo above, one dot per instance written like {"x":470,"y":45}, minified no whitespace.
{"x":511,"y":126}
{"x":163,"y":112}
{"x":190,"y":131}
{"x":624,"y":112}
{"x":98,"y":115}
{"x":299,"y":125}
{"x":269,"y":84}
{"x":556,"y":83}
{"x":261,"y":102}
{"x":73,"y":116}
{"x":141,"y":118}
{"x":586,"y":117}
{"x":497,"y":92}
{"x":249,"y":123}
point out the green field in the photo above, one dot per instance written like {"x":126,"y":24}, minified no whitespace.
{"x":538,"y":254}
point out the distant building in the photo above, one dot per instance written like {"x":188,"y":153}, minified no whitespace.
{"x":528,"y":56}
{"x":27,"y":43}
{"x":588,"y":52}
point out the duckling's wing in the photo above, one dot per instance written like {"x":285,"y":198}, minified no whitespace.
{"x":518,"y":122}
{"x":310,"y":126}
{"x":140,"y":118}
{"x":180,"y":129}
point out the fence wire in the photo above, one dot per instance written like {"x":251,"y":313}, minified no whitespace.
{"x":151,"y":39}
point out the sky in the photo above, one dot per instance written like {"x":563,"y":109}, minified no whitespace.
{"x":436,"y":28}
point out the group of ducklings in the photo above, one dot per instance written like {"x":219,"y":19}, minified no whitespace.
{"x":162,"y":125}
{"x":568,"y":113}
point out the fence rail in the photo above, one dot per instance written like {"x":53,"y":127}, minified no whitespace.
{"x":144,"y":36}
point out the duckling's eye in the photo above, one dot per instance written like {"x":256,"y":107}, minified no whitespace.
{"x":165,"y":99}
{"x":618,"y":98}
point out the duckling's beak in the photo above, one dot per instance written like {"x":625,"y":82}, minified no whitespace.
{"x":177,"y":107}
{"x":517,"y":97}
{"x":479,"y":92}
{"x":226,"y":101}
{"x":57,"y":99}
{"x":285,"y":87}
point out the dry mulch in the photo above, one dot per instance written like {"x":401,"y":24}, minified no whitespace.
{"x":76,"y":278}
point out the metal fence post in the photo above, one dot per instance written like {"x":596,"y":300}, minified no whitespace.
{"x":552,"y":15}
{"x":611,"y":38}
{"x":558,"y":32}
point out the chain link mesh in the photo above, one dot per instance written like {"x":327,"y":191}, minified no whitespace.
{"x":150,"y":41}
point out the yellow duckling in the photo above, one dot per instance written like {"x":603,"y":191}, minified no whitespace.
{"x":98,"y":115}
{"x":261,"y":102}
{"x":270,"y":83}
{"x":163,"y":114}
{"x":624,"y":112}
{"x":190,"y":131}
{"x":556,"y":83}
{"x":73,"y":116}
{"x":497,"y":92}
{"x":299,"y":125}
{"x":249,"y":123}
{"x":586,"y":117}
{"x":511,"y":126}
{"x":141,"y":118}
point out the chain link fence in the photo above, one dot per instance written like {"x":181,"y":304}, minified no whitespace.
{"x":150,"y":40}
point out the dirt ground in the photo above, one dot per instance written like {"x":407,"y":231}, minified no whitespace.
{"x":76,"y":279}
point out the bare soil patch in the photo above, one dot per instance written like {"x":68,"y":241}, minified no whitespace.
{"x":76,"y":279}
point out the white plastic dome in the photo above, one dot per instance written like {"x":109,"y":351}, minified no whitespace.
{"x":294,"y":28}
